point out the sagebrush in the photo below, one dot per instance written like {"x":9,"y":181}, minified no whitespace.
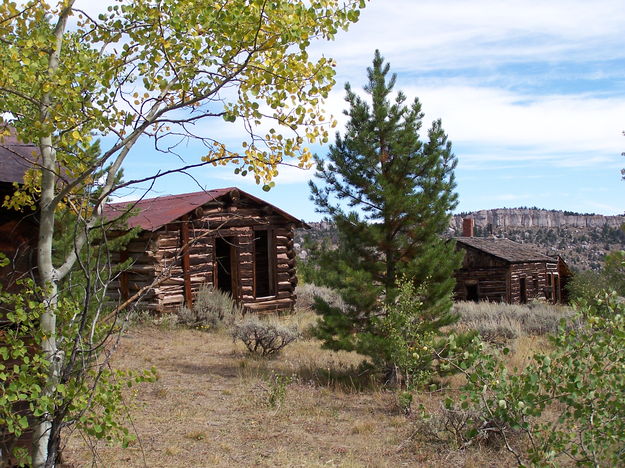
{"x":262,"y":337}
{"x":495,"y":321}
{"x":212,"y":309}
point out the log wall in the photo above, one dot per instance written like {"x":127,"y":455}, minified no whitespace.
{"x":539,"y":283}
{"x":500,"y":281}
{"x":18,"y":241}
{"x":182,"y":271}
{"x":491,"y":284}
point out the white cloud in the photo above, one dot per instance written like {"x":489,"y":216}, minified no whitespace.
{"x":432,"y":34}
{"x":491,"y":124}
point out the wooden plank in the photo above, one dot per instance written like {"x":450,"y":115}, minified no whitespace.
{"x":186,"y":262}
{"x":123,"y":278}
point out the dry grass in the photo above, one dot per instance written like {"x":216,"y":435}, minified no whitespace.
{"x":210,"y":408}
{"x":215,"y":405}
{"x":498,"y":321}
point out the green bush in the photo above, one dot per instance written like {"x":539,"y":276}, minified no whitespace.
{"x":406,"y":340}
{"x":212,"y":309}
{"x":585,"y":285}
{"x":569,"y":403}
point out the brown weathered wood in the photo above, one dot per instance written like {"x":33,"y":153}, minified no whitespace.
{"x":186,"y":262}
{"x":123,"y":277}
{"x":184,"y":251}
{"x":497,"y":279}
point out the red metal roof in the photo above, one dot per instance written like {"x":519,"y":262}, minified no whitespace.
{"x":154,"y":213}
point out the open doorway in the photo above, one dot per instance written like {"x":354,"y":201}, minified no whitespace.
{"x":557,"y":298}
{"x":472,"y":292}
{"x":264,"y":274}
{"x":523,"y":288}
{"x":226,"y":267}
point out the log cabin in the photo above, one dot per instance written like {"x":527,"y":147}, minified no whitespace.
{"x":18,"y":240}
{"x":18,"y":229}
{"x":225,"y":238}
{"x":501,"y":270}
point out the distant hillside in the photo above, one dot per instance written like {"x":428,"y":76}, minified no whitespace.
{"x":582,"y":239}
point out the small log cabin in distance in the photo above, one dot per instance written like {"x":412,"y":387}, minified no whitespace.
{"x":501,"y":270}
{"x":226,"y":238}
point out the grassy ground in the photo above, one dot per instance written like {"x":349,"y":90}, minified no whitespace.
{"x":215,"y":405}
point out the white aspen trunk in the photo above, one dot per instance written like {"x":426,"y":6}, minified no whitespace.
{"x":48,"y":280}
{"x":48,"y":277}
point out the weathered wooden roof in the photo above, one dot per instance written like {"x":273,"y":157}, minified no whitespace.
{"x":505,"y":249}
{"x":15,"y":158}
{"x":154,"y":213}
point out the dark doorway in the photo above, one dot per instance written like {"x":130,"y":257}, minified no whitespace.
{"x":472,"y":293}
{"x":263,"y":264}
{"x":225,"y":264}
{"x":523,"y":288}
{"x":556,"y":289}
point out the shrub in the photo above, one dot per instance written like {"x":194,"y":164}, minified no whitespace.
{"x":585,"y":285}
{"x":306,"y":294}
{"x":264,"y":338}
{"x":461,"y":428}
{"x":212,"y":309}
{"x":276,"y":393}
{"x":581,"y":382}
{"x":406,"y":339}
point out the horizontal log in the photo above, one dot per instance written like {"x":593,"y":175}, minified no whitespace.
{"x":281,"y":304}
{"x":283,"y":276}
{"x":172,"y":299}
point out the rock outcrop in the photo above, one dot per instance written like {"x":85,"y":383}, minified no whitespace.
{"x":529,"y":218}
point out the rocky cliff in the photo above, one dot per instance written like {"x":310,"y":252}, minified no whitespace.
{"x":504,"y":218}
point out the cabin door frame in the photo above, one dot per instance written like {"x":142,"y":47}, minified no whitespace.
{"x":226,"y":265}
{"x":523,"y":290}
{"x":472,"y":290}
{"x":265,"y":280}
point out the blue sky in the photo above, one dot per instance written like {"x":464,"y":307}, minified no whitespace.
{"x":531,"y":93}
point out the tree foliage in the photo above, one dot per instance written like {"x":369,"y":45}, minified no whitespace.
{"x":569,"y":403}
{"x":148,"y":69}
{"x":400,"y":190}
{"x":412,"y":340}
{"x":585,"y":285}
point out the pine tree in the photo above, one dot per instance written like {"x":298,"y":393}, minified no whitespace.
{"x":399,"y":191}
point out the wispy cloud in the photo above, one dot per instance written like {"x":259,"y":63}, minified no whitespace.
{"x":426,"y":35}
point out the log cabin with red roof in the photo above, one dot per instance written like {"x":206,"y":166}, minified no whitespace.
{"x":225,"y":238}
{"x":501,"y":270}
